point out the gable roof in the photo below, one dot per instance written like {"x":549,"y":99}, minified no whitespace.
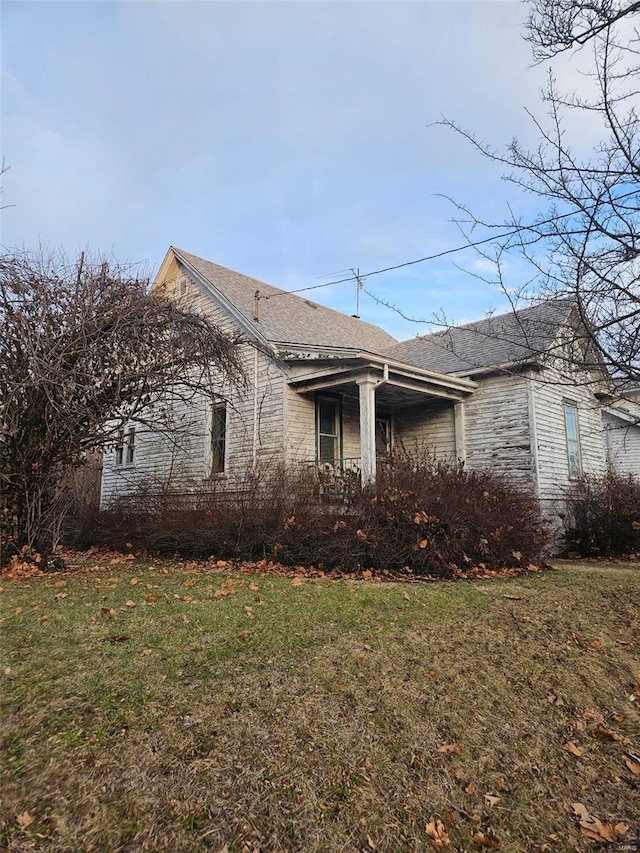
{"x":285,"y":317}
{"x":506,"y":339}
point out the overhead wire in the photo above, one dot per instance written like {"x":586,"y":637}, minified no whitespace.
{"x":469,"y":245}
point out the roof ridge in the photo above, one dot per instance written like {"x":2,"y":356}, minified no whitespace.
{"x":474,"y":323}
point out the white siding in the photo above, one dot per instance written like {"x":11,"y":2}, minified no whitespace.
{"x":497,"y":429}
{"x":551,"y":392}
{"x":622,"y":444}
{"x":429,"y":429}
{"x":178,"y":457}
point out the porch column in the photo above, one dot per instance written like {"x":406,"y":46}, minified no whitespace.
{"x":458,"y":421}
{"x":367,"y":429}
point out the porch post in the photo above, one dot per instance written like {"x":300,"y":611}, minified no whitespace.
{"x":367,"y":429}
{"x":458,"y":420}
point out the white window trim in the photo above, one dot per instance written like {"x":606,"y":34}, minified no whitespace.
{"x":567,"y":404}
{"x":337,"y":436}
{"x":125,"y":447}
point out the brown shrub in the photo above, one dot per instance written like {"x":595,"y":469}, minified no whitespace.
{"x":425,"y":516}
{"x":603,"y":516}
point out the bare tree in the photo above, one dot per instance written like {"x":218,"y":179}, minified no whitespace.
{"x":84,"y":349}
{"x":584,"y":245}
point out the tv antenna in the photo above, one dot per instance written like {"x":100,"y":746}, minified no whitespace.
{"x":359,"y":286}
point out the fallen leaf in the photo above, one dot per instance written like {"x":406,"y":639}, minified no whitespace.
{"x":596,"y":643}
{"x":367,"y":574}
{"x":437,"y":834}
{"x":406,"y":596}
{"x":254,"y":587}
{"x":133,"y":581}
{"x":147,"y":651}
{"x":487,"y":839}
{"x":189,"y":582}
{"x":24,"y":819}
{"x":490,"y":801}
{"x":591,"y":826}
{"x":572,"y":748}
{"x":513,"y":597}
{"x":501,"y":783}
{"x":431,"y":673}
{"x":470,"y":787}
{"x":448,"y":748}
{"x":6,"y":670}
{"x":297,"y":582}
{"x":244,"y":635}
{"x":61,"y":595}
{"x":633,"y":766}
{"x":152,"y":597}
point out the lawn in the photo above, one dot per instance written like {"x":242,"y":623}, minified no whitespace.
{"x":174,"y":707}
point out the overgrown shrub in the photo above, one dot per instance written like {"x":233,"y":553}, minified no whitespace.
{"x":425,"y":516}
{"x":603,"y":516}
{"x":430,"y":517}
{"x":238,"y":521}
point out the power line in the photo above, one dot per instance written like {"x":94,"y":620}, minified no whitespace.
{"x":517,"y":230}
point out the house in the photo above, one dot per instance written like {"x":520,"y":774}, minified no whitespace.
{"x":330,"y":390}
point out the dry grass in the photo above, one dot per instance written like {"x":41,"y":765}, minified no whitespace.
{"x":267,"y":714}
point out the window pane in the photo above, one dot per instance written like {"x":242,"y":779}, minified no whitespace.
{"x":218,"y":438}
{"x":120,"y":448}
{"x":131,"y":440}
{"x":327,"y":417}
{"x":573,"y":440}
{"x":383,"y":438}
{"x":328,"y":449}
{"x":572,"y":423}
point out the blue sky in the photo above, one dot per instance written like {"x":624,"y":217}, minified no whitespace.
{"x":287,"y":140}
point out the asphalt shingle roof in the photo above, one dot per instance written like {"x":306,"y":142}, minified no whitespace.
{"x":500,"y":340}
{"x":286,"y":317}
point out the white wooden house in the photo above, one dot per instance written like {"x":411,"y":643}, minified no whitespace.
{"x":326,"y":389}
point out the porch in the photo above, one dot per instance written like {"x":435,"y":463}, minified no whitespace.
{"x":365,"y":405}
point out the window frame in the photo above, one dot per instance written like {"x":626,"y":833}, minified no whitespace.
{"x":222,"y":439}
{"x":573,"y":443}
{"x":336,"y":401}
{"x":125,"y":447}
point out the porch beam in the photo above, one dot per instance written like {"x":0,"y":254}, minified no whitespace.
{"x":367,"y":393}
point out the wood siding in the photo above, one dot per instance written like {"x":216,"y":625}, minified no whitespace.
{"x":497,"y":429}
{"x":622,"y":444}
{"x":428,"y":429}
{"x":179,"y":457}
{"x":551,"y":392}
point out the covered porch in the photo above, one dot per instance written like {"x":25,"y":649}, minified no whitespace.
{"x":365,"y":404}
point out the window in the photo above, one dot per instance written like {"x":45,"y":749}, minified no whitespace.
{"x":573,"y":440}
{"x":120,"y":448}
{"x":131,"y":442}
{"x":218,"y":437}
{"x":383,"y":438}
{"x":328,"y":429}
{"x":125,"y":446}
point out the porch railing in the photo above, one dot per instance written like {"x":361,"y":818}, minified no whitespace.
{"x":337,"y":479}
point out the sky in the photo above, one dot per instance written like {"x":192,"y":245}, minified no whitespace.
{"x":292,"y":141}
